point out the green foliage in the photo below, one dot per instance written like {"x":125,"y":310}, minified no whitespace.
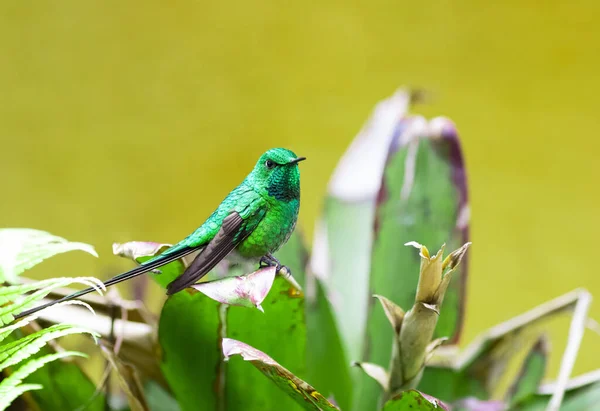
{"x":402,"y":180}
{"x":413,"y":400}
{"x":23,"y":248}
{"x":206,"y":377}
{"x":22,"y":355}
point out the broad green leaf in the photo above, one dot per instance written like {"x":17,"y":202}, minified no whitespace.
{"x":189,"y":333}
{"x":450,"y":385}
{"x":304,"y":394}
{"x":413,"y":400}
{"x":328,"y":367}
{"x":280,"y":331}
{"x":586,"y":397}
{"x":343,"y":238}
{"x":294,"y":255}
{"x":422,"y":197}
{"x":158,"y":399}
{"x":532,"y":373}
{"x":23,"y":248}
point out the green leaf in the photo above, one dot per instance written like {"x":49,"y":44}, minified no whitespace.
{"x":6,"y":400}
{"x":294,"y":255}
{"x":280,"y":331}
{"x":532,"y":372}
{"x":586,"y":397}
{"x":22,"y":248}
{"x":328,"y":367}
{"x":412,"y":400}
{"x":189,"y":333}
{"x":158,"y":399}
{"x":12,"y":381}
{"x":343,"y":240}
{"x":19,"y":350}
{"x":66,"y":387}
{"x":300,"y":391}
{"x":44,"y":288}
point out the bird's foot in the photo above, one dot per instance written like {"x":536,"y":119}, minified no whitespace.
{"x":156,"y":271}
{"x":270,"y":261}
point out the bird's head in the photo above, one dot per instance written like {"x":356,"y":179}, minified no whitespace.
{"x":276,"y":173}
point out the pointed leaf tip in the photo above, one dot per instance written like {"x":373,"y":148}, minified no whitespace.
{"x":454,"y":259}
{"x":393,"y":312}
{"x":244,"y":291}
{"x":299,"y":390}
{"x":377,"y":372}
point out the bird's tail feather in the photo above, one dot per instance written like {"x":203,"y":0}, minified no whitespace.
{"x":174,"y":253}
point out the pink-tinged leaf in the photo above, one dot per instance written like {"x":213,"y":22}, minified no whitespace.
{"x":140,"y":251}
{"x":299,"y":390}
{"x":473,"y":404}
{"x":244,"y":291}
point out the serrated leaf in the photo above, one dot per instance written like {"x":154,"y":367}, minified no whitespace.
{"x":21,"y":349}
{"x":300,"y":391}
{"x":7,"y":399}
{"x":22,"y":248}
{"x":12,"y":381}
{"x":8,"y":311}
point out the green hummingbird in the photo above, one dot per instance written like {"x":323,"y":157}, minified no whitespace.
{"x":250,"y":224}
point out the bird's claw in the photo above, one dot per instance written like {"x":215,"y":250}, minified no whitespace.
{"x":270,"y":261}
{"x":156,"y":271}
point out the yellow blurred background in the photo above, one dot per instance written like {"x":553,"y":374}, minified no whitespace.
{"x":131,"y":121}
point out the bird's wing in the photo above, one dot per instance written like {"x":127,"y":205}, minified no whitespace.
{"x":233,"y":231}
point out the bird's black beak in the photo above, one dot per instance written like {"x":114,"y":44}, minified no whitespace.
{"x":297,"y":160}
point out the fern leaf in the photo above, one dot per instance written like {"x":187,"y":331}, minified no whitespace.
{"x":9,"y":384}
{"x":7,"y":312}
{"x":25,"y":347}
{"x":15,"y":392}
{"x":5,"y":331}
{"x":23,"y":248}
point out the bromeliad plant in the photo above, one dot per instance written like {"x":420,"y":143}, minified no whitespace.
{"x":402,"y":179}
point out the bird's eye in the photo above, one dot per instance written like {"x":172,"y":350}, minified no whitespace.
{"x":269,"y":164}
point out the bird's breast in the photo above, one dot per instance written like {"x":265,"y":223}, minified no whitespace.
{"x":272,"y":232}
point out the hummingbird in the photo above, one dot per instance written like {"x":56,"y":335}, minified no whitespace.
{"x":250,"y":224}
